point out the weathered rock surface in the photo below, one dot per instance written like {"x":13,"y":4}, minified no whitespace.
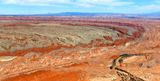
{"x":76,"y":49}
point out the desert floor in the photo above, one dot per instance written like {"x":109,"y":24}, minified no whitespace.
{"x":77,"y":48}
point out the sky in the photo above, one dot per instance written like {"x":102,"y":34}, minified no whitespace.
{"x":90,"y":6}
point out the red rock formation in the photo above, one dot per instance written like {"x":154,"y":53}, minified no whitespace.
{"x":86,"y":58}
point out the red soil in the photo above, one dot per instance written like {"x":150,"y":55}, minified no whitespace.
{"x":41,"y":50}
{"x":108,"y":38}
{"x":50,"y":76}
{"x":69,"y":75}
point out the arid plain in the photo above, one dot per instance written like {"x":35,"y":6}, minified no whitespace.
{"x":36,"y":48}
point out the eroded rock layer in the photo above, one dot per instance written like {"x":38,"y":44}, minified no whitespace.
{"x":71,"y":48}
{"x":18,"y":37}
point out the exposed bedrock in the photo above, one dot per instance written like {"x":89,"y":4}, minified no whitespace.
{"x":20,"y":37}
{"x":35,"y":47}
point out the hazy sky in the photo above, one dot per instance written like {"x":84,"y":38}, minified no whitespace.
{"x":54,"y":6}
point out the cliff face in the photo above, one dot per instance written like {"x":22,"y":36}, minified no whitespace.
{"x":73,"y":48}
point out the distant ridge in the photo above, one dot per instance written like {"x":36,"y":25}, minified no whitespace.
{"x":79,"y":14}
{"x":66,"y":14}
{"x":146,"y":15}
{"x":155,"y":14}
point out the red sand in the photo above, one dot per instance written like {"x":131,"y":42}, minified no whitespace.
{"x":50,"y":76}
